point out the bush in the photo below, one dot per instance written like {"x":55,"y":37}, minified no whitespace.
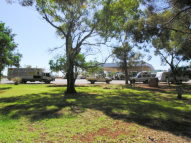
{"x":16,"y":80}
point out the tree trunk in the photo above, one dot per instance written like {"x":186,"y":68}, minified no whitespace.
{"x":126,"y":77}
{"x":70,"y":66}
{"x":125,"y":69}
{"x":173,"y":74}
{"x":179,"y":92}
{"x":0,"y":76}
{"x":70,"y":77}
{"x":174,"y":79}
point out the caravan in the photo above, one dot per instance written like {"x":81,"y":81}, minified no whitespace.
{"x":30,"y":74}
{"x":167,"y":77}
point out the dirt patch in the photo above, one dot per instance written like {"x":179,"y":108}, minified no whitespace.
{"x":30,"y":129}
{"x":130,"y":130}
{"x":89,"y":137}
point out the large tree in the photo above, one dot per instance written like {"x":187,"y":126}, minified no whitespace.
{"x":118,"y":21}
{"x":166,"y":25}
{"x":126,"y":57}
{"x":179,"y":13}
{"x":168,"y":15}
{"x":74,"y":22}
{"x":168,"y":49}
{"x":8,"y":56}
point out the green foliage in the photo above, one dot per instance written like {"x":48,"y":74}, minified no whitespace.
{"x":172,"y":20}
{"x":111,"y":74}
{"x":126,"y":53}
{"x":167,"y":28}
{"x":168,"y":46}
{"x":118,"y":20}
{"x":28,"y":66}
{"x":22,"y":2}
{"x":94,"y":68}
{"x":60,"y":64}
{"x":117,"y":17}
{"x":8,"y":56}
{"x":68,"y":17}
{"x":127,"y":57}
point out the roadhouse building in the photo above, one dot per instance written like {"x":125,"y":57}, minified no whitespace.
{"x":115,"y":67}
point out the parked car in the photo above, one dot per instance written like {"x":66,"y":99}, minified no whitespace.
{"x":142,"y":77}
{"x":119,"y":76}
{"x":92,"y":80}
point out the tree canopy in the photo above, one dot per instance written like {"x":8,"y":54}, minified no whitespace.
{"x":80,"y":65}
{"x":8,"y":55}
{"x":118,"y":21}
{"x":166,"y":18}
{"x":126,"y":57}
{"x":74,"y":22}
{"x":118,"y":18}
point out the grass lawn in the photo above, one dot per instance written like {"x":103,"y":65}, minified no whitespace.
{"x":97,"y":113}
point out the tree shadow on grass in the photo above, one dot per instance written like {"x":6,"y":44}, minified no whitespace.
{"x":162,"y":89}
{"x":144,"y":108}
{"x":64,"y":85}
{"x":34,"y":106}
{"x":2,"y":89}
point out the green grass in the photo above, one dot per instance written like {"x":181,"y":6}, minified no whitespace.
{"x":43,"y":113}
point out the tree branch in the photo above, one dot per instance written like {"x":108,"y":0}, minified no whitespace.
{"x":56,"y":48}
{"x":93,"y":66}
{"x":177,"y":14}
{"x":176,"y":30}
{"x":85,"y":37}
{"x":178,"y":63}
{"x":94,"y":44}
{"x":163,"y":57}
{"x":48,"y":20}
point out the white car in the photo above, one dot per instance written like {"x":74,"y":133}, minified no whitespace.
{"x":142,"y":77}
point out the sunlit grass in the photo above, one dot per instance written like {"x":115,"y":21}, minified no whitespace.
{"x":43,"y":113}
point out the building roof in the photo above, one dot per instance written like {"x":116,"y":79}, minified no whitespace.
{"x":116,"y":65}
{"x":110,"y":65}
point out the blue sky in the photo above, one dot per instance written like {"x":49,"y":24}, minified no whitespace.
{"x":35,"y":36}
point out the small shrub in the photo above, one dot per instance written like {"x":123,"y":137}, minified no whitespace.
{"x":16,"y":80}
